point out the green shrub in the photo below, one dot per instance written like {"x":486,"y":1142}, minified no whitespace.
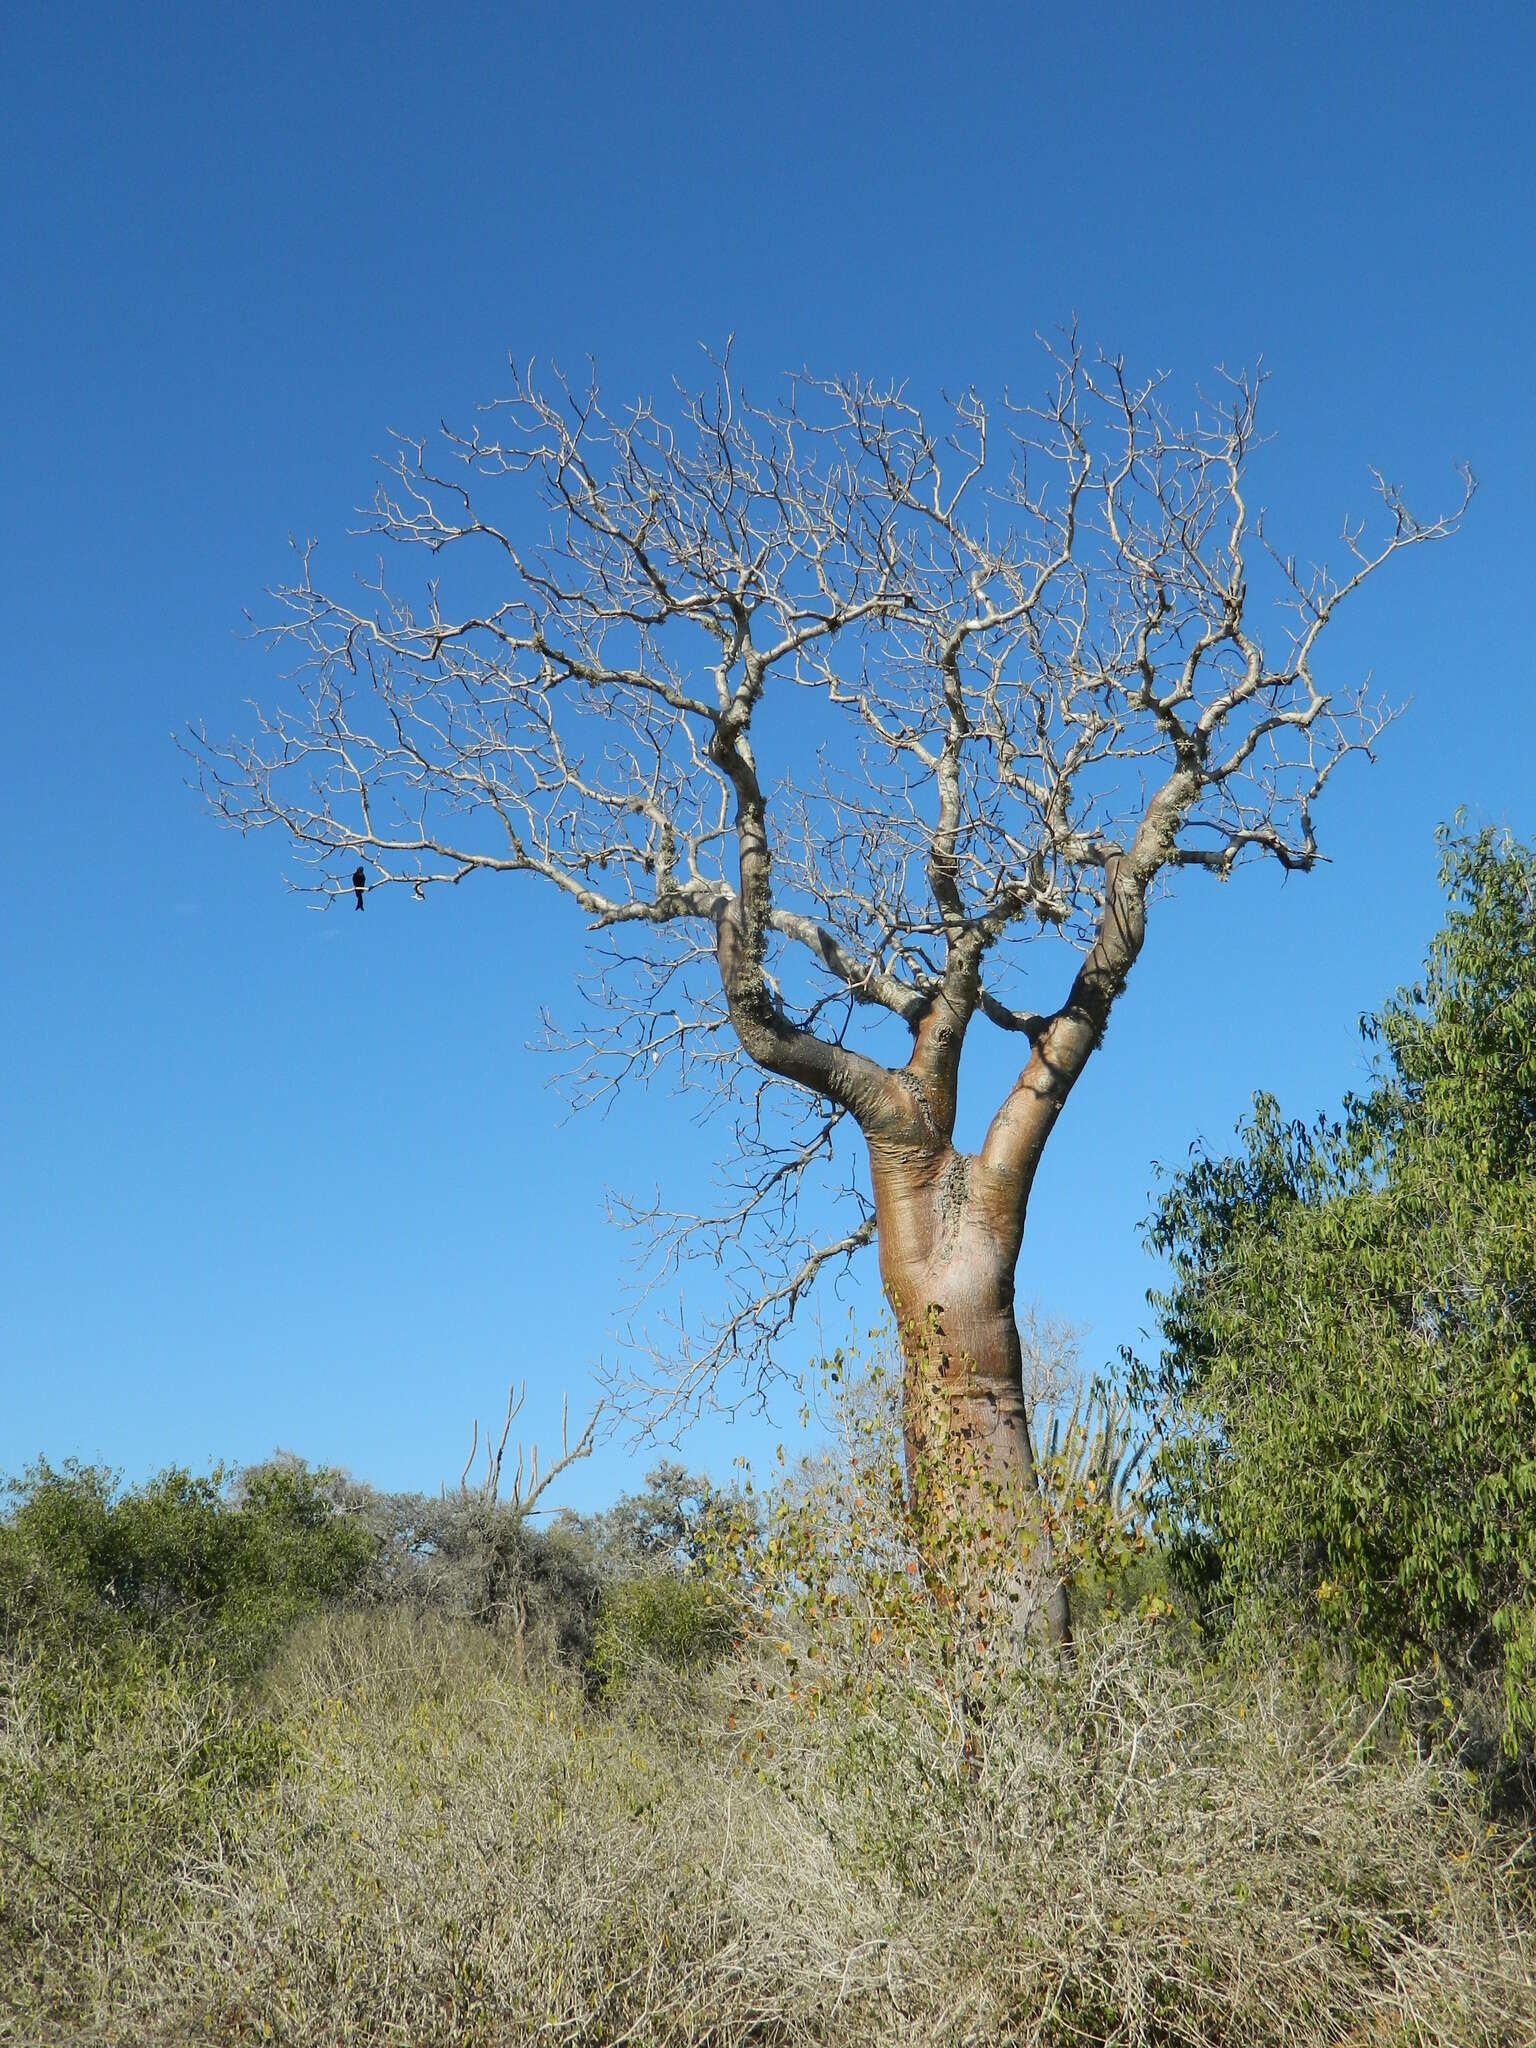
{"x":1350,"y":1333}
{"x":659,"y":1616}
{"x":219,"y":1562}
{"x":118,"y":1762}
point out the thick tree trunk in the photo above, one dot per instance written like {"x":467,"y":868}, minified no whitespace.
{"x":950,"y":1234}
{"x":950,"y":1226}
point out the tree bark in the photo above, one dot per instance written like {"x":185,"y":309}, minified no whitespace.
{"x":950,"y":1229}
{"x":950,"y":1232}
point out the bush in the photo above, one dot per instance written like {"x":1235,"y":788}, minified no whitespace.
{"x":211,"y":1561}
{"x":118,"y":1763}
{"x":1350,"y":1335}
{"x":658,"y":1616}
{"x":1137,"y":1851}
{"x":465,"y":1555}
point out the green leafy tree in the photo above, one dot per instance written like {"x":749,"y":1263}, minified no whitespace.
{"x":184,"y":1560}
{"x":1350,"y":1329}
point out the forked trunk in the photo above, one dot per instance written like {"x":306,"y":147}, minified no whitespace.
{"x":950,"y":1236}
{"x":950,"y":1226}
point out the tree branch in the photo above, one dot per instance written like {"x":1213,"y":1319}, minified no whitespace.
{"x":818,"y":712}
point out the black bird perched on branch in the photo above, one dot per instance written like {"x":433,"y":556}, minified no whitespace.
{"x":359,"y":883}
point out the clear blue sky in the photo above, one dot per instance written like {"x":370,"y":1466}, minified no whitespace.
{"x":268,"y":1177}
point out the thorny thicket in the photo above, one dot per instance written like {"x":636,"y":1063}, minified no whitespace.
{"x":838,"y":1832}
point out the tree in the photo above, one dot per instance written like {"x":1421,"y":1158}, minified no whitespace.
{"x":1350,"y":1333}
{"x":816,"y":712}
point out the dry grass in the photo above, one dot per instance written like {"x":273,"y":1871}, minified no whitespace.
{"x":1136,"y":1853}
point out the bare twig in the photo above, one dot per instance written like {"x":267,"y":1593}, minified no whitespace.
{"x":529,"y":1485}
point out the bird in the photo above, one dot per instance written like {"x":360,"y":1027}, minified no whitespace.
{"x":359,"y":882}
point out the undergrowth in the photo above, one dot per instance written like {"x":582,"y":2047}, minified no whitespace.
{"x":773,"y":1793}
{"x":397,"y":1839}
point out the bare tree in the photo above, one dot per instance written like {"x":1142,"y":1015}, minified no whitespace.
{"x":498,"y":1519}
{"x":527,"y":1485}
{"x":816,"y":712}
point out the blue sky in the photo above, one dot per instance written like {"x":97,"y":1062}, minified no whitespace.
{"x":268,"y":1177}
